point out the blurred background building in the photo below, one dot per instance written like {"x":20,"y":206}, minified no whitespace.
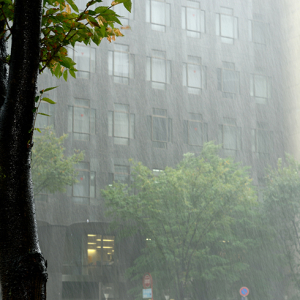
{"x":186,"y":72}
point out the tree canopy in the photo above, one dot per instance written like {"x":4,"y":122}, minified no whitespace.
{"x":198,"y":223}
{"x":282,"y":209}
{"x":52,"y":171}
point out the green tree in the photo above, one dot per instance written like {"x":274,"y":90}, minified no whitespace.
{"x":22,"y":266}
{"x":52,"y":171}
{"x":282,"y":208}
{"x":198,"y":222}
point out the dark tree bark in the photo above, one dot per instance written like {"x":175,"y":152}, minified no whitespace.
{"x":22,"y":266}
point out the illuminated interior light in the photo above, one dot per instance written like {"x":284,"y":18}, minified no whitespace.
{"x":91,"y":250}
{"x":91,"y":243}
{"x":108,"y":240}
{"x":98,"y":240}
{"x":107,"y":247}
{"x":91,"y":234}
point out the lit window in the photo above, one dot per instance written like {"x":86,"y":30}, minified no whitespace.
{"x":193,"y":19}
{"x":228,"y":80}
{"x":230,"y":136}
{"x":158,"y":14}
{"x":226,"y":25}
{"x":85,"y":253}
{"x":120,"y":64}
{"x":100,"y":250}
{"x":160,"y":128}
{"x":85,"y":186}
{"x":158,"y":70}
{"x":194,"y":75}
{"x":258,"y":32}
{"x":262,"y":139}
{"x":260,"y":88}
{"x":195,"y":131}
{"x":84,"y":57}
{"x":121,"y":124}
{"x":81,"y":119}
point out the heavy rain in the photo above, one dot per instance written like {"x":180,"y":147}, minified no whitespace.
{"x":168,"y":169}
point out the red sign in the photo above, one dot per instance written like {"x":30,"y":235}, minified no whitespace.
{"x":244,"y":291}
{"x":147,"y":280}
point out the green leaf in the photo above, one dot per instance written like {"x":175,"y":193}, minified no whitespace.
{"x":65,"y":75}
{"x":48,"y":100}
{"x":72,"y":4}
{"x":36,"y":99}
{"x":50,"y":88}
{"x":38,"y":130}
{"x":39,"y":113}
{"x":72,"y":73}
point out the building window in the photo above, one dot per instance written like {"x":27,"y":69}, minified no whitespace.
{"x":260,"y":88}
{"x":121,"y":174}
{"x":258,"y":31}
{"x":121,"y":124}
{"x":157,"y":172}
{"x":193,"y":19}
{"x":120,"y":64}
{"x":84,"y":57}
{"x":228,"y":80}
{"x":158,"y":70}
{"x":230,"y":136}
{"x":124,"y":14}
{"x":85,"y":187}
{"x":43,"y":121}
{"x":160,"y":128}
{"x":226,"y":25}
{"x":158,"y":14}
{"x":195,"y":131}
{"x":85,"y":253}
{"x":81,"y":120}
{"x":262,"y":139}
{"x":194,"y":75}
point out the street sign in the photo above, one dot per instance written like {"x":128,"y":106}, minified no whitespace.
{"x":147,"y":281}
{"x":147,"y":293}
{"x":244,"y":291}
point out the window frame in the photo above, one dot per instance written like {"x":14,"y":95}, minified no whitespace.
{"x":92,"y":62}
{"x":230,"y":123}
{"x":92,"y":116}
{"x":228,"y":66}
{"x":185,"y":75}
{"x":155,"y":84}
{"x":131,"y":125}
{"x":184,"y":22}
{"x":169,"y":128}
{"x":224,"y":11}
{"x":260,"y":100}
{"x":158,"y":26}
{"x":91,"y":187}
{"x":111,"y":65}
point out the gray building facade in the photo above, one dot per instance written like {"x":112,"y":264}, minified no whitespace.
{"x":186,"y":72}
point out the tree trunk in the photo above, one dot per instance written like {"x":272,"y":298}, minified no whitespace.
{"x":22,"y":266}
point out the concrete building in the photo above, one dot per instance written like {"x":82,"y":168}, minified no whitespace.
{"x":187,"y":72}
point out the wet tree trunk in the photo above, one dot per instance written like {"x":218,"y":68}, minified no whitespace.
{"x":22,"y":267}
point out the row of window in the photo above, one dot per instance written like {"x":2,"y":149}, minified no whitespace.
{"x":195,"y":134}
{"x":193,"y":20}
{"x":121,"y":127}
{"x":158,"y":72}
